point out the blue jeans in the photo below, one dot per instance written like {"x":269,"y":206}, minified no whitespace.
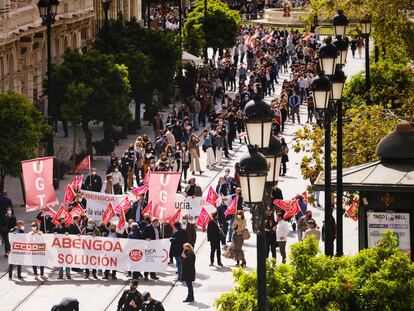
{"x":194,"y":117}
{"x":179,"y":264}
{"x":190,"y":295}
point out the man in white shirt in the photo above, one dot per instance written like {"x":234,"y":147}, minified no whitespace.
{"x":282,"y":232}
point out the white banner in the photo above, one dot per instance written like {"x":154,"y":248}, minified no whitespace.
{"x":192,"y":206}
{"x":97,"y":202}
{"x":60,"y":250}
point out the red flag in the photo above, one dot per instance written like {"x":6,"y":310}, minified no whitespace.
{"x":140,"y":190}
{"x":175,"y":218}
{"x":353,"y":211}
{"x":232,"y":208}
{"x":203,"y":219}
{"x":121,"y":222}
{"x":38,"y":183}
{"x":212,"y":197}
{"x":147,"y":209}
{"x":284,"y":205}
{"x":163,"y":187}
{"x":77,"y":183}
{"x":85,"y":164}
{"x":51,"y":212}
{"x":77,"y":211}
{"x":69,"y":195}
{"x":108,"y":214}
{"x":146,"y":177}
{"x":123,"y":205}
{"x":62,"y":213}
{"x":295,"y":208}
{"x":305,"y":197}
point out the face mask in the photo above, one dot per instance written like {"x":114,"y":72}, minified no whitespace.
{"x":184,"y":221}
{"x":152,"y":165}
{"x":22,"y":228}
{"x":90,"y":226}
{"x":93,"y":173}
{"x":47,"y":214}
{"x":9,"y":213}
{"x":112,"y":230}
{"x":116,"y":170}
{"x":34,"y":228}
{"x":239,"y":216}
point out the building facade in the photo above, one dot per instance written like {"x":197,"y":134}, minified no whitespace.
{"x":23,"y":46}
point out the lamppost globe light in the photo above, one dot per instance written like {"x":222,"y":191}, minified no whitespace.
{"x":258,"y":121}
{"x":338,"y":82}
{"x":321,"y":90}
{"x":273,"y":156}
{"x":342,"y":44}
{"x":43,"y":6}
{"x":106,"y":4}
{"x":339,"y":22}
{"x":328,"y":54}
{"x":366,"y":27}
{"x":53,"y":7}
{"x":253,"y":171}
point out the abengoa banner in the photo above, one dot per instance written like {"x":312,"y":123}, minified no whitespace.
{"x":61,"y":250}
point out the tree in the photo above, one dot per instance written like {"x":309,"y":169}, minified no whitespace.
{"x":219,"y":30}
{"x":21,"y":127}
{"x":150,"y":55}
{"x":105,"y":82}
{"x":379,"y":278}
{"x":363,"y":128}
{"x":391,"y":26}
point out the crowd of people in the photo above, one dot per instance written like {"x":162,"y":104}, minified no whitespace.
{"x":209,"y":121}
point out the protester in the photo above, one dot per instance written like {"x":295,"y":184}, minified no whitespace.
{"x":35,"y":231}
{"x":131,"y":299}
{"x":236,"y":248}
{"x":19,"y":228}
{"x":112,"y":234}
{"x":190,"y":229}
{"x":152,"y":232}
{"x":93,"y":182}
{"x":177,"y":240}
{"x":222,"y":220}
{"x":312,"y":230}
{"x":62,"y":229}
{"x":193,"y":190}
{"x":45,"y":221}
{"x":282,"y":232}
{"x":67,"y":304}
{"x":151,"y":304}
{"x":213,"y":236}
{"x":91,"y":230}
{"x":7,"y":223}
{"x":303,"y":223}
{"x":188,"y":270}
{"x":270,"y":230}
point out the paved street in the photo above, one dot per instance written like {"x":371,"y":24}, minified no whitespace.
{"x":35,"y":294}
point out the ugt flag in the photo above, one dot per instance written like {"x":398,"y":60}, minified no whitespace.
{"x":38,"y":183}
{"x":162,"y":190}
{"x":85,"y":164}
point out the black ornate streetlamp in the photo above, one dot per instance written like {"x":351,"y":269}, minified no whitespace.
{"x":48,"y":12}
{"x":255,"y":177}
{"x":366,"y":31}
{"x":106,"y":5}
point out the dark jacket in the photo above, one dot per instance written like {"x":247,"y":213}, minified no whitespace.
{"x":191,"y":233}
{"x":136,"y":235}
{"x":45,"y":223}
{"x":270,"y":224}
{"x":7,"y":223}
{"x":74,"y":229}
{"x":213,"y":232}
{"x":177,"y":241}
{"x":149,"y":232}
{"x":188,"y":268}
{"x":93,"y":183}
{"x":62,"y":230}
{"x":193,"y":190}
{"x":127,"y":297}
{"x":67,"y":304}
{"x":220,"y":213}
{"x":154,"y":305}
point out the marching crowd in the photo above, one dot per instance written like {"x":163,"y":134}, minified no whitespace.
{"x":256,"y":63}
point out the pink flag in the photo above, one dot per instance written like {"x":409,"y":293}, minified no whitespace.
{"x":295,"y":208}
{"x":212,"y":197}
{"x":140,"y":190}
{"x":108,"y":214}
{"x":175,"y":218}
{"x":123,"y":205}
{"x":69,"y":195}
{"x":76,"y":183}
{"x":38,"y":183}
{"x":147,"y":209}
{"x":163,"y":187}
{"x":203,"y":219}
{"x":62,"y":213}
{"x":232,"y":208}
{"x":85,"y":164}
{"x":146,"y":177}
{"x":77,"y":211}
{"x":121,"y":222}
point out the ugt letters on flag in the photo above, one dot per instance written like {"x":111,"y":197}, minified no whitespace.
{"x":162,"y":190}
{"x":38,"y":183}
